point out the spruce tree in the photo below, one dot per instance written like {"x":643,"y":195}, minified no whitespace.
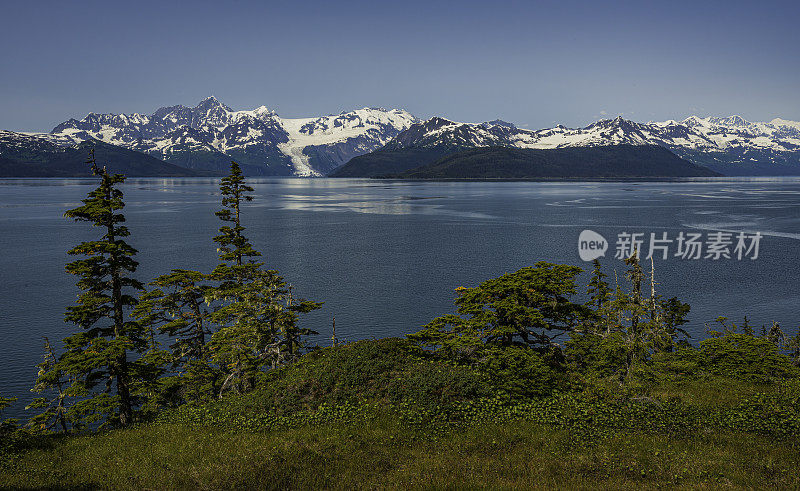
{"x":636,"y":276}
{"x":625,"y":327}
{"x":54,"y":409}
{"x":673,"y":315}
{"x":8,"y":424}
{"x":291,"y":333}
{"x":253,"y":307}
{"x":97,"y":358}
{"x":177,"y":307}
{"x":531,"y":307}
{"x":599,"y":290}
{"x":234,"y":248}
{"x":600,"y":296}
{"x":793,"y":344}
{"x":747,"y":328}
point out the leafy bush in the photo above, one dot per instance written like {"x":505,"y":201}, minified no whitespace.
{"x":686,"y":362}
{"x":531,"y":306}
{"x":389,"y":370}
{"x":431,"y":384}
{"x":589,"y":418}
{"x":519,"y":372}
{"x":745,"y":357}
{"x":595,"y":355}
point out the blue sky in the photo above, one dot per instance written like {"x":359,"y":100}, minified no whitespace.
{"x":532,"y":63}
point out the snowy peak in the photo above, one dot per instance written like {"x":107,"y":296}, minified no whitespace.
{"x":359,"y":120}
{"x":210,"y":134}
{"x":316,"y":146}
{"x":440,"y":132}
{"x":211,"y":112}
{"x":618,"y":124}
{"x":212,"y":104}
{"x":730,"y":121}
{"x":498,"y":122}
{"x":709,"y":140}
{"x":778,"y":122}
{"x":14,"y":144}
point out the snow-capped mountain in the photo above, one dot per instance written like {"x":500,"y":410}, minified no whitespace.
{"x":720,"y":143}
{"x":210,"y":134}
{"x":37,"y":155}
{"x":18,"y":145}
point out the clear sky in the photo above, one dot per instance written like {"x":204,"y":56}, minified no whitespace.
{"x":532,"y":63}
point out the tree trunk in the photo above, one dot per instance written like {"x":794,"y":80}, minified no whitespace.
{"x":121,"y":366}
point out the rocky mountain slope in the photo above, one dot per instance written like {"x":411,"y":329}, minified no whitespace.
{"x":210,"y":134}
{"x":24,"y":155}
{"x":731,"y":146}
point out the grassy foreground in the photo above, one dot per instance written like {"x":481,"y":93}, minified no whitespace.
{"x":383,"y":453}
{"x":380,"y":414}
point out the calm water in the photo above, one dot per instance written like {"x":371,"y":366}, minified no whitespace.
{"x":386,"y":256}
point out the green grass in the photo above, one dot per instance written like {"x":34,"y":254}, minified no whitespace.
{"x":384,"y":453}
{"x":378,"y":414}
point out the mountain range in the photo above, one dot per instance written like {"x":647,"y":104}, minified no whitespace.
{"x":23,"y":155}
{"x":211,"y":134}
{"x":730,"y":146}
{"x":203,"y":140}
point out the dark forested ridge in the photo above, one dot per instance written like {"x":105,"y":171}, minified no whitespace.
{"x":384,"y":162}
{"x":589,"y":162}
{"x":617,"y":161}
{"x":55,"y":161}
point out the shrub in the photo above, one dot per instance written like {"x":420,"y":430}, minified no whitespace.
{"x":386,"y":370}
{"x":518,"y":372}
{"x":745,"y":357}
{"x":9,"y":424}
{"x":596,"y":356}
{"x":684,"y":362}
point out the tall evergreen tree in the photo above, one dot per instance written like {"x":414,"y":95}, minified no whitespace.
{"x":600,"y":296}
{"x":291,"y":333}
{"x":599,"y":290}
{"x":234,"y":248}
{"x":97,"y":358}
{"x":673,"y":315}
{"x":747,"y":328}
{"x":636,"y":276}
{"x":257,"y":318}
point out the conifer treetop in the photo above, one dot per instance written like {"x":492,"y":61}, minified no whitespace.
{"x":233,"y":245}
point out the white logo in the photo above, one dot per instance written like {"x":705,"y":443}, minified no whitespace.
{"x":714,"y":245}
{"x":591,"y":245}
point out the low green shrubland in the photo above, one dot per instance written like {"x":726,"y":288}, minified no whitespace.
{"x":384,"y":413}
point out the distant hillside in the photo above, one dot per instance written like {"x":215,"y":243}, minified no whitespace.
{"x":24,"y":155}
{"x":390,"y":162}
{"x":616,"y":161}
{"x":731,"y":146}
